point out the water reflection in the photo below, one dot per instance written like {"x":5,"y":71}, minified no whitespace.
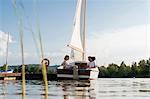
{"x":4,"y":89}
{"x":70,"y":89}
{"x":78,"y":89}
{"x":23,"y":96}
{"x":63,"y":89}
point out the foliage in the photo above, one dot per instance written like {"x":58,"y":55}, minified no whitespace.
{"x":142,"y":69}
{"x":4,"y":67}
{"x":30,"y":69}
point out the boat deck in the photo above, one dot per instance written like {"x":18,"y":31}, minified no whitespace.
{"x":34,"y":76}
{"x":10,"y":74}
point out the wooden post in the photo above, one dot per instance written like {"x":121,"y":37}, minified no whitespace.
{"x":75,"y":72}
{"x":23,"y":80}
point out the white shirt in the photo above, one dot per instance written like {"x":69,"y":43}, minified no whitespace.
{"x":65,"y":64}
{"x":91,"y":64}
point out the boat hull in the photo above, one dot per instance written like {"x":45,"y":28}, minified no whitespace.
{"x":82,"y":73}
{"x":8,"y":71}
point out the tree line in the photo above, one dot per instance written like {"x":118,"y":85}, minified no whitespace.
{"x":139,"y":70}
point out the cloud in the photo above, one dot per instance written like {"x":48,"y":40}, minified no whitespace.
{"x":113,"y":46}
{"x":128,"y":44}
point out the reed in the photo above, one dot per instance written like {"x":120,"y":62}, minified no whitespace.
{"x":44,"y":72}
{"x":23,"y":80}
{"x":20,"y":25}
{"x":45,"y":79}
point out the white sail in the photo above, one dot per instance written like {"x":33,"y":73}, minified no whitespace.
{"x":76,"y":42}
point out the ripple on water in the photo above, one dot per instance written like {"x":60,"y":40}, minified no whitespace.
{"x":103,"y":88}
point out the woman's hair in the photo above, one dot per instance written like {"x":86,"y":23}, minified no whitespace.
{"x":93,"y":58}
{"x":89,"y":56}
{"x":67,"y":56}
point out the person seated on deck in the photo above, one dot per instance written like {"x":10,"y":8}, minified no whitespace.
{"x":91,"y":63}
{"x":65,"y":63}
{"x":46,"y":62}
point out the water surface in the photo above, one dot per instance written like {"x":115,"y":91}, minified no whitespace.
{"x":103,"y":88}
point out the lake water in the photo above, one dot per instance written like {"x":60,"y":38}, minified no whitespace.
{"x":103,"y":88}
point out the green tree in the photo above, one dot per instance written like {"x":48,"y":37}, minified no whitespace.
{"x":128,"y":70}
{"x":113,"y":70}
{"x":144,"y":68}
{"x":134,"y":70}
{"x":103,"y":72}
{"x":122,"y":71}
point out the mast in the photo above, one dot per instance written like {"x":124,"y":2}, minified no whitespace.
{"x":7,"y":48}
{"x":7,"y":52}
{"x":84,"y":29}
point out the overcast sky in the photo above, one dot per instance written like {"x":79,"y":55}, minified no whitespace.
{"x":117,"y":30}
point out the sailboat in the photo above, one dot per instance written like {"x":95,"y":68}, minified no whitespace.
{"x":78,"y":49}
{"x":6,"y":65}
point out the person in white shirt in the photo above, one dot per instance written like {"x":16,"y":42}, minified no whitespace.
{"x":91,"y":63}
{"x":65,"y":63}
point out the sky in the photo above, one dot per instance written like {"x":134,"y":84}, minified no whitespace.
{"x":117,"y":30}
